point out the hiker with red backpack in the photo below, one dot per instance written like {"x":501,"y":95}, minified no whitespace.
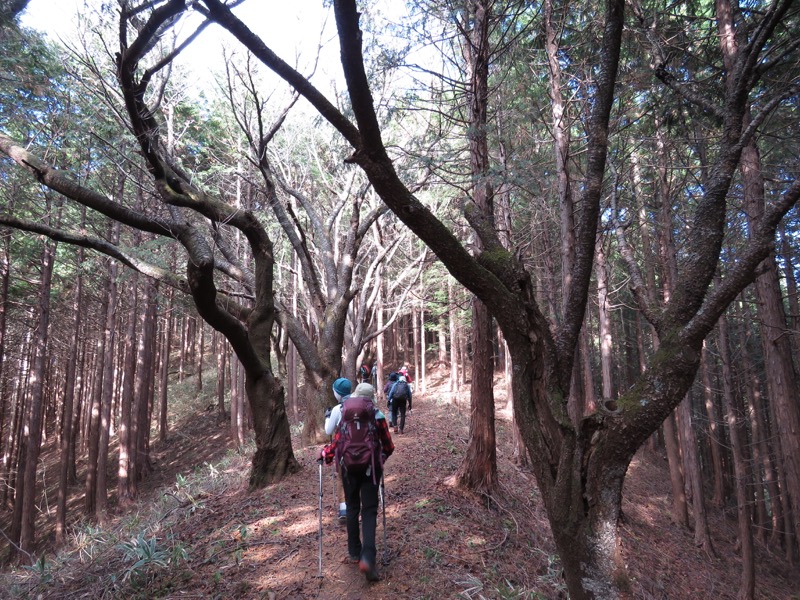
{"x":403,"y":372}
{"x":360,"y":446}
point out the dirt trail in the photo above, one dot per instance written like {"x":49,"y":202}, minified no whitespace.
{"x":428,"y":548}
{"x":439,"y":542}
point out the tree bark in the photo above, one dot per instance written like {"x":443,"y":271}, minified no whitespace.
{"x":680,"y":508}
{"x":792,"y":296}
{"x":694,"y":476}
{"x":5,"y":405}
{"x":184,"y":348}
{"x":417,"y":341}
{"x":165,"y":354}
{"x":736,"y":418}
{"x":222,"y":353}
{"x":32,"y":440}
{"x":107,"y":390}
{"x":140,"y":409}
{"x":237,"y":401}
{"x":714,"y":441}
{"x":76,"y":420}
{"x":152,"y":331}
{"x":422,"y":376}
{"x":67,"y":439}
{"x":274,"y":457}
{"x":604,"y":321}
{"x":126,"y":490}
{"x":478,"y":468}
{"x":763,"y":458}
{"x":441,"y":339}
{"x":782,"y":387}
{"x":453,"y":386}
{"x":11,"y":454}
{"x":236,"y":405}
{"x":95,"y":409}
{"x":292,"y":377}
{"x":199,"y":359}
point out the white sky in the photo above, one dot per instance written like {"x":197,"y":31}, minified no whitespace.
{"x":291,"y":28}
{"x":287,"y":27}
{"x":53,"y":17}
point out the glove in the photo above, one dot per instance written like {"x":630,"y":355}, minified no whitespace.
{"x":326,"y":455}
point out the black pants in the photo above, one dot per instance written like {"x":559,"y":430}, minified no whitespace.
{"x":399,"y":406}
{"x":361,"y":495}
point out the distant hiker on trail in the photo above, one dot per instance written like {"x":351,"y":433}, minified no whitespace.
{"x":404,"y":372}
{"x":363,"y":374}
{"x":360,"y":446}
{"x":341,"y":389}
{"x":399,"y":397}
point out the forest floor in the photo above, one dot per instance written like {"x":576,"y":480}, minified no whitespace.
{"x":212,"y":538}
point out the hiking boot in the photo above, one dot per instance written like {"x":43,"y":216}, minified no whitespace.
{"x":342,"y":515}
{"x":351,"y":559}
{"x":368,"y":569}
{"x":395,"y":429}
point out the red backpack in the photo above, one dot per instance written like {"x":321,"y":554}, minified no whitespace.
{"x":358,"y":450}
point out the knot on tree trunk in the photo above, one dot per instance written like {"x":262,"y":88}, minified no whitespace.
{"x":610,"y":407}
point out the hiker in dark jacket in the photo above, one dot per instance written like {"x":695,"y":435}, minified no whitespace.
{"x":361,"y":489}
{"x":397,"y":403}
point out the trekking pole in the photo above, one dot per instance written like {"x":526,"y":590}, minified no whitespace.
{"x":333,"y":484}
{"x":333,"y":491}
{"x":320,"y":518}
{"x":384,"y":559}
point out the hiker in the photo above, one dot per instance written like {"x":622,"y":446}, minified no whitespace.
{"x":341,"y":389}
{"x":360,"y":447}
{"x":363,"y":374}
{"x":399,"y":396}
{"x":403,"y":371}
{"x":393,"y":377}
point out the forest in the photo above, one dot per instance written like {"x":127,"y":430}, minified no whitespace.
{"x":576,"y":224}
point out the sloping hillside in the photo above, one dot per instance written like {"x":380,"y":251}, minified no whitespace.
{"x":213,"y":539}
